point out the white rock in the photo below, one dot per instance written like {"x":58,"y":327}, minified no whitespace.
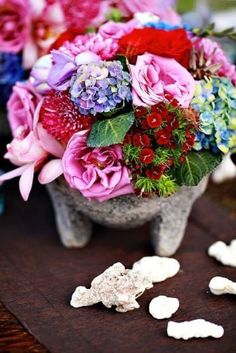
{"x":163,"y":307}
{"x":194,"y":329}
{"x":115,"y":286}
{"x":225,"y":171}
{"x":221,"y":285}
{"x":157,"y":268}
{"x":226,"y":254}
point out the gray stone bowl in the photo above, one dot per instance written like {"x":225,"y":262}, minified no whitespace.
{"x":169,"y":216}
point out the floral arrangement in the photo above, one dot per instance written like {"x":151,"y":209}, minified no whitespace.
{"x":28,"y":28}
{"x":143,"y":106}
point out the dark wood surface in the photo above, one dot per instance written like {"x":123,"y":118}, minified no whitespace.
{"x":38,"y":276}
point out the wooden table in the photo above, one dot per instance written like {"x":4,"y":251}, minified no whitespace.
{"x":38,"y":275}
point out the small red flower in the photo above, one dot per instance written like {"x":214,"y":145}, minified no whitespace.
{"x":140,"y":111}
{"x":146,"y":156}
{"x":156,"y":173}
{"x":141,"y":140}
{"x":163,"y":137}
{"x":154,"y":120}
{"x":182,"y":159}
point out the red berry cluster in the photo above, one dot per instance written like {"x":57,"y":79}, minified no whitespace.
{"x":160,"y":139}
{"x":61,"y":117}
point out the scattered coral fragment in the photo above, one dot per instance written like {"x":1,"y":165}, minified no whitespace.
{"x":157,"y":268}
{"x":221,"y":285}
{"x":226,"y":254}
{"x":194,"y":329}
{"x":163,"y":307}
{"x":116,"y":286}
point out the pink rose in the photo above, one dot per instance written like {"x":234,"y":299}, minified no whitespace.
{"x":97,"y":173}
{"x":14,"y":22}
{"x":153,"y":77}
{"x":21,"y":108}
{"x":116,"y":30}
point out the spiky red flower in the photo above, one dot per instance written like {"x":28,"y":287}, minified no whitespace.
{"x":61,"y":117}
{"x":146,"y":156}
{"x":141,"y":140}
{"x":163,"y":136}
{"x":154,"y":120}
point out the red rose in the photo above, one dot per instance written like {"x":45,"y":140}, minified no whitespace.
{"x":171,"y":44}
{"x":146,"y":156}
{"x":154,"y":120}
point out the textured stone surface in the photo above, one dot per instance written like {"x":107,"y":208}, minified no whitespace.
{"x":116,"y":286}
{"x":169,"y":216}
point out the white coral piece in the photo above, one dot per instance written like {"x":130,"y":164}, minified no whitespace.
{"x":221,"y":285}
{"x":194,"y":329}
{"x":163,"y":307}
{"x":226,"y":254}
{"x":157,"y":268}
{"x":116,"y":286}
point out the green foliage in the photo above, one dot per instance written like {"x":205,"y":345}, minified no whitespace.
{"x":210,"y":31}
{"x":162,"y":155}
{"x":165,"y":186}
{"x":196,"y":166}
{"x":110,"y":131}
{"x":124,"y":62}
{"x":131,"y":154}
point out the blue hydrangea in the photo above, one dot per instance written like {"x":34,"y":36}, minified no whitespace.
{"x":10,"y":72}
{"x":161,"y":25}
{"x":215,"y":100}
{"x":100,"y":87}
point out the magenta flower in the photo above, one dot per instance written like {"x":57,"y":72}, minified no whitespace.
{"x":31,"y":146}
{"x":105,"y":48}
{"x":21,"y":108}
{"x":97,"y":173}
{"x":215,"y":55}
{"x":14,"y":23}
{"x":154,"y":77}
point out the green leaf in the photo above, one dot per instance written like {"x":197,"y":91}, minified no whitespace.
{"x":124,"y":62}
{"x":110,"y":131}
{"x":196,"y":166}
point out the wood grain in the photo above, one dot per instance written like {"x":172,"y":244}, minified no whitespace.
{"x":38,"y":276}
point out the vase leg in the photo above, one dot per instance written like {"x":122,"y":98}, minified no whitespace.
{"x":74,"y":228}
{"x":168,"y":228}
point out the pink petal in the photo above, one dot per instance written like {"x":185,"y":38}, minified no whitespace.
{"x":49,"y":143}
{"x":36,"y":114}
{"x":13,"y":174}
{"x":51,"y":171}
{"x":26,"y":181}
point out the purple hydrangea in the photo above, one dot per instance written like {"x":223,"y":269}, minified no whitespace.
{"x":100,"y":87}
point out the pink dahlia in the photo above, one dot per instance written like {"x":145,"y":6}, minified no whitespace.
{"x":98,"y":173}
{"x":106,"y":48}
{"x":215,"y":55}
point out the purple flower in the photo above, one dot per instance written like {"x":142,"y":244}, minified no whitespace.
{"x":100,"y":87}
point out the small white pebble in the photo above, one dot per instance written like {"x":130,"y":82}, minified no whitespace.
{"x":194,"y":329}
{"x":221,"y":285}
{"x":157,"y":268}
{"x":226,"y":254}
{"x":163,"y":307}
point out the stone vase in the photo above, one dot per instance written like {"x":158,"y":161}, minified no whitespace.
{"x":168,"y":216}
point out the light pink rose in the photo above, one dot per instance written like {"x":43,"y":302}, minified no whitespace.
{"x":14,"y":23}
{"x":116,"y":30}
{"x":30,"y":150}
{"x":21,"y":108}
{"x":97,"y":173}
{"x":153,"y":77}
